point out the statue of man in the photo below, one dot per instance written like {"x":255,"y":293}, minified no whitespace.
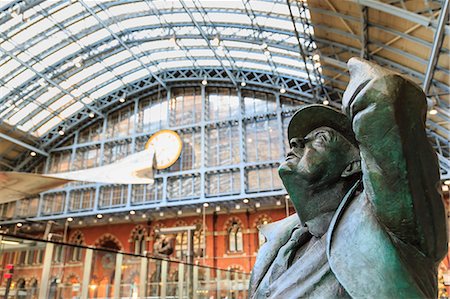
{"x":370,"y":221}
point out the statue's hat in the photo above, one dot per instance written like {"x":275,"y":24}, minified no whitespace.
{"x":311,"y":117}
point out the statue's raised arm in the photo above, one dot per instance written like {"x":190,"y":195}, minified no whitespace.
{"x":400,"y":168}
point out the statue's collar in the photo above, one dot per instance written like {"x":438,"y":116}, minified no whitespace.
{"x":319,"y":226}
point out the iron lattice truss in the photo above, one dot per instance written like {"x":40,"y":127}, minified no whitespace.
{"x":65,"y":63}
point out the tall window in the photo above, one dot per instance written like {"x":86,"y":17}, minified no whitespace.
{"x":53,"y":203}
{"x":138,"y":243}
{"x":27,"y":207}
{"x":191,"y":153}
{"x":235,"y":240}
{"x":222,"y":103}
{"x":226,"y":182}
{"x":185,"y":106}
{"x":147,"y":193}
{"x":222,"y":144}
{"x":91,"y":133}
{"x":258,"y":103}
{"x":187,"y":186}
{"x":152,"y":114}
{"x":59,"y":161}
{"x":76,"y":239}
{"x":262,"y":140}
{"x":117,"y":150}
{"x":81,"y":199}
{"x":111,"y":196}
{"x":181,"y":245}
{"x":263,"y":179}
{"x":87,"y":157}
{"x":120,"y":123}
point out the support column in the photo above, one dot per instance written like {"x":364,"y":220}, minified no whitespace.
{"x":180,"y":280}
{"x":195,"y":283}
{"x":218,"y":282}
{"x":143,"y":277}
{"x":164,"y":268}
{"x":86,"y":274}
{"x":46,"y":267}
{"x":118,"y":275}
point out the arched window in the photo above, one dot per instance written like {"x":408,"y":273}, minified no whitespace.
{"x":181,"y":245}
{"x":235,"y":238}
{"x":76,"y":239}
{"x":138,"y":245}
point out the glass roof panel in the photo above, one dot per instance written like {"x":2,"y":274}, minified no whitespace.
{"x":64,"y":43}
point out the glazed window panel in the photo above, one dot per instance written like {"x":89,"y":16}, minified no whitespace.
{"x":222,"y":145}
{"x":258,"y":103}
{"x":147,"y":193}
{"x":113,"y":196}
{"x":286,"y":120}
{"x":263,"y":179}
{"x":185,"y":106}
{"x":115,"y":151}
{"x":262,"y":140}
{"x":91,"y":133}
{"x":152,"y":114}
{"x":223,"y":183}
{"x":120,"y":123}
{"x":183,"y":187}
{"x":27,"y":207}
{"x":80,"y":200}
{"x":8,"y":210}
{"x":235,"y":239}
{"x":53,"y":203}
{"x":59,"y":161}
{"x":87,"y":157}
{"x":222,"y":103}
{"x":190,"y":157}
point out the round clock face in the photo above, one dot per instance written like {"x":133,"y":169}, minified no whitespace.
{"x":167,"y":145}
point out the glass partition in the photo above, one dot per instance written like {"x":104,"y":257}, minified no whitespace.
{"x":32,"y":268}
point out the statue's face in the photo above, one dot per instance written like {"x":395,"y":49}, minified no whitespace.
{"x":317,"y":158}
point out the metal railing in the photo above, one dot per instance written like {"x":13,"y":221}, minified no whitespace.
{"x":33,"y":268}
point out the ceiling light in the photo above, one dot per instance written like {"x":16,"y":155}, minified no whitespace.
{"x":245,"y":200}
{"x":95,"y":221}
{"x":110,"y":219}
{"x":198,"y":210}
{"x":267,"y":53}
{"x":447,"y":182}
{"x":238,"y":206}
{"x":278,"y":202}
{"x":33,"y":154}
{"x":99,"y":216}
{"x":445,"y":188}
{"x":70,"y":219}
{"x":77,"y":61}
{"x":204,"y":82}
{"x":264,"y":46}
{"x":243,"y":83}
{"x":216,"y":41}
{"x":122,"y":100}
{"x":132,"y":212}
{"x":179,"y":212}
{"x":257,"y":205}
{"x":206,"y":204}
{"x":61,"y":132}
{"x":127,"y":217}
{"x":80,"y":222}
{"x":144,"y":215}
{"x":161,"y":214}
{"x":19,"y":224}
{"x":282,"y":90}
{"x":325,"y":102}
{"x":217,"y":208}
{"x":91,"y":115}
{"x":433,"y":112}
{"x":287,"y":196}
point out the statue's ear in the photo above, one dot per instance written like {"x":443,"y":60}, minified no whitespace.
{"x":352,"y":168}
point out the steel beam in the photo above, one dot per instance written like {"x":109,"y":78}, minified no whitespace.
{"x":121,"y":42}
{"x":401,"y":13}
{"x":23,"y":144}
{"x":208,"y":42}
{"x":436,"y":48}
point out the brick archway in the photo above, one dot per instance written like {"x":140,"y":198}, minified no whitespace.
{"x":108,"y":238}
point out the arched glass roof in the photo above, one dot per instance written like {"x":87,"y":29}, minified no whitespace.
{"x":60,"y":56}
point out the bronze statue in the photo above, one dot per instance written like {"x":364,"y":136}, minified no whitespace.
{"x":370,"y":221}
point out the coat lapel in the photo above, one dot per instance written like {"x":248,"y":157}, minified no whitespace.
{"x":277,"y":234}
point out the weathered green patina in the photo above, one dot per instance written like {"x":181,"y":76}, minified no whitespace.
{"x":370,"y":221}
